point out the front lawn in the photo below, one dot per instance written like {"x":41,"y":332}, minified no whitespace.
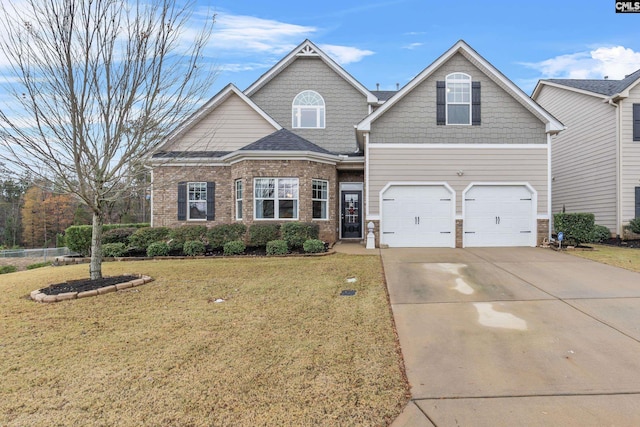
{"x":284,"y":348}
{"x":617,"y":256}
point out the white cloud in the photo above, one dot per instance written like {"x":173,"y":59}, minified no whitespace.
{"x":412,"y":46}
{"x":345,"y":54}
{"x":614,"y":62}
{"x":248,"y":33}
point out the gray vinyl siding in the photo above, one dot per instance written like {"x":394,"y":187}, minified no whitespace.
{"x":413,"y":118}
{"x":630,"y":155}
{"x":442,"y":164}
{"x":584,"y":155}
{"x":344,"y":105}
{"x":229,"y":127}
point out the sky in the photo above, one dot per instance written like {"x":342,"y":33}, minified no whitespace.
{"x":387,"y":42}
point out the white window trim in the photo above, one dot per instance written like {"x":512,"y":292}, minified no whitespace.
{"x":189,"y":201}
{"x":326,"y":182}
{"x":447,"y":103}
{"x":320,"y":109}
{"x":238,"y":199}
{"x":276,"y":205}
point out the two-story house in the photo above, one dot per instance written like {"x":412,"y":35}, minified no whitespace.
{"x":596,"y":161}
{"x":460,"y":156}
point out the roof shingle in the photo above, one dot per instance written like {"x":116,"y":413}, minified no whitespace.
{"x":284,"y":140}
{"x":602,"y":86}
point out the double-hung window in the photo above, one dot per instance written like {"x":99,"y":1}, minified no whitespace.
{"x":458,"y":99}
{"x":308,"y":110}
{"x":197,"y":193}
{"x":276,"y":198}
{"x":320,"y":199}
{"x":239,"y":191}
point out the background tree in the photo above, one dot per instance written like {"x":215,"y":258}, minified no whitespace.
{"x":11,"y":198}
{"x":100,"y":82}
{"x":44,"y":215}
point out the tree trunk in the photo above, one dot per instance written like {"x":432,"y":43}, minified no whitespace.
{"x":95,"y":268}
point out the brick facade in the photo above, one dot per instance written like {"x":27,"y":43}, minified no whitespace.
{"x":166,"y":179}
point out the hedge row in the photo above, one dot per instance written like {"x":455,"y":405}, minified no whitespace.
{"x":120,"y":240}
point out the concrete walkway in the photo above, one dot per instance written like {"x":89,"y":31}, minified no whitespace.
{"x":514,"y":337}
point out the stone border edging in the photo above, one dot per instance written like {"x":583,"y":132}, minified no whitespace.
{"x":38,"y":296}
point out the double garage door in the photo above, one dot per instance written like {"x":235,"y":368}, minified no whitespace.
{"x":424,"y":216}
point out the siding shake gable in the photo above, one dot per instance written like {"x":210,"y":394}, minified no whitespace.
{"x":552,"y":125}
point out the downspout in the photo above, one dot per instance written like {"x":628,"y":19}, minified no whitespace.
{"x":366,"y":175}
{"x":619,"y":230}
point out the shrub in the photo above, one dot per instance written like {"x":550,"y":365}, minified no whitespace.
{"x":220,"y":234}
{"x":634,"y":225}
{"x":143,"y":237}
{"x":577,"y":227}
{"x":234,"y":247}
{"x":8,"y":269}
{"x":260,"y":234}
{"x":116,"y":249}
{"x":277,"y":247}
{"x":158,"y":249}
{"x":193,"y":248}
{"x":185,"y":233}
{"x":313,"y":246}
{"x":296,"y":233}
{"x":600,"y":234}
{"x":78,"y":239}
{"x":118,"y":235}
{"x":38,"y":265}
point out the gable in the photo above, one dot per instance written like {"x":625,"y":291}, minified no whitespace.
{"x":344,"y":104}
{"x":229,"y":126}
{"x":412,"y":119}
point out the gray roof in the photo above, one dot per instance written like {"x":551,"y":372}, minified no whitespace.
{"x":189,"y":154}
{"x":603,"y":87}
{"x":384,"y":95}
{"x":284,"y":140}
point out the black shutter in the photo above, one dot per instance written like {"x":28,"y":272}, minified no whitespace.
{"x":211,"y":196}
{"x":475,"y":103}
{"x":637,"y":202}
{"x":636,"y":122}
{"x":182,"y":201}
{"x":441,"y":103}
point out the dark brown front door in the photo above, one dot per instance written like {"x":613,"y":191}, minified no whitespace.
{"x":351,"y":214}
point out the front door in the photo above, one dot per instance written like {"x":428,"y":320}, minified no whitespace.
{"x":351,"y":215}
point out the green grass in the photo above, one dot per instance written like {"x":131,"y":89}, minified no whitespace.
{"x":619,"y":257}
{"x":282,"y":349}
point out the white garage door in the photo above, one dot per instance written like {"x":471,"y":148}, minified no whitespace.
{"x":499,"y":215}
{"x":418,"y":216}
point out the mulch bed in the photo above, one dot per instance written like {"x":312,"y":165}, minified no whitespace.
{"x":635,"y":244}
{"x":83,"y":285}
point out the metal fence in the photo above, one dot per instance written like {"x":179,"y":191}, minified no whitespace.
{"x":35,"y":253}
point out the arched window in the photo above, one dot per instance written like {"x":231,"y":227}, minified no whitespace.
{"x":308,"y":110}
{"x":458,"y":99}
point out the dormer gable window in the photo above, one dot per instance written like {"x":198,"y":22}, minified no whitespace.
{"x":308,"y":111}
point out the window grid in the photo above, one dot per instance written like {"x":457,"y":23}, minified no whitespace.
{"x":197,"y":198}
{"x":458,"y":99}
{"x":308,"y":110}
{"x":320,"y":199}
{"x":276,"y":198}
{"x":239,"y":191}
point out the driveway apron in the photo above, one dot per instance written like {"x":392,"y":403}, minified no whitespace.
{"x":515,"y":336}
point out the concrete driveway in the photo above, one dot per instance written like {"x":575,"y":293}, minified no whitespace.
{"x":515,"y":336}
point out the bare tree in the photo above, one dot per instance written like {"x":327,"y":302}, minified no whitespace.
{"x":99,"y":82}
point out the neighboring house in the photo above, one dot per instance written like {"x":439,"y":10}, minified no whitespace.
{"x":596,"y":161}
{"x":458,"y":157}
